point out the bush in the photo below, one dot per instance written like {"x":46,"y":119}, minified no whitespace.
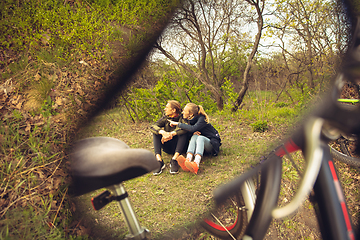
{"x":148,"y":104}
{"x":229,"y":94}
{"x":280,"y":104}
{"x":259,"y":126}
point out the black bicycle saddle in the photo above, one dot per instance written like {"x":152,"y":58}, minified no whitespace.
{"x":100,"y":162}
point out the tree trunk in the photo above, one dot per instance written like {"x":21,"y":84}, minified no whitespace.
{"x":245,"y":84}
{"x":240,"y":97}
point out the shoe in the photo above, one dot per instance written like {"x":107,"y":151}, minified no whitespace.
{"x":174,"y":166}
{"x":192,"y":166}
{"x":159,"y":171}
{"x":181,"y":161}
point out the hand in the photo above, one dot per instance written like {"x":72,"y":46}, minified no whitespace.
{"x":197,"y":133}
{"x":172,"y":123}
{"x":166,"y":136}
{"x":165,"y":139}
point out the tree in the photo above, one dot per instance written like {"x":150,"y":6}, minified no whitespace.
{"x":202,"y":32}
{"x":312,"y":37}
{"x":259,"y":6}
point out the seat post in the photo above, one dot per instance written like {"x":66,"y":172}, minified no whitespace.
{"x":136,"y":232}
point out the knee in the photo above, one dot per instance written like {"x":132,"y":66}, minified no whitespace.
{"x":200,"y":139}
{"x":193,"y":138}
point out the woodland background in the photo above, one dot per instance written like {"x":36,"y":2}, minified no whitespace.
{"x":265,"y":60}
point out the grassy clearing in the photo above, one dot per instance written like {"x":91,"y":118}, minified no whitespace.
{"x":165,"y":203}
{"x":168,"y":202}
{"x":171,"y":205}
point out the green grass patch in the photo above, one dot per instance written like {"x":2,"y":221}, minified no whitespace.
{"x":259,"y":126}
{"x":173,"y":201}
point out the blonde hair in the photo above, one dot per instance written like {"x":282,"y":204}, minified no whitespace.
{"x":198,"y":110}
{"x":175,"y":105}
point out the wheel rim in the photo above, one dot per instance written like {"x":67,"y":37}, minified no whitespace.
{"x":227,"y":220}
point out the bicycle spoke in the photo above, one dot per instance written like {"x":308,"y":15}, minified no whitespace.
{"x":223,"y":226}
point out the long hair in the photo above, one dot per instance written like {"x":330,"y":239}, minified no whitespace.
{"x":175,"y":105}
{"x":198,"y":110}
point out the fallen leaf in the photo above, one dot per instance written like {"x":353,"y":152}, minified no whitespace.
{"x":83,"y":62}
{"x":77,"y":101}
{"x":28,"y":127}
{"x":40,"y":123}
{"x":37,"y":77}
{"x":59,"y":101}
{"x":18,"y":106}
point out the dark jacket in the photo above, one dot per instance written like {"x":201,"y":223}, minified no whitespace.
{"x":164,"y":124}
{"x":198,"y":123}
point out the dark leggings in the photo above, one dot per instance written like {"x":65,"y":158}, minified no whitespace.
{"x":176,"y":144}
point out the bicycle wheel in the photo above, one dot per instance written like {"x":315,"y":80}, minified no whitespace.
{"x":353,"y":161}
{"x":347,"y":145}
{"x":346,"y":152}
{"x":230,"y":219}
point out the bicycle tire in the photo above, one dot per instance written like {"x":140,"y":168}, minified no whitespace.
{"x":230,"y":219}
{"x":353,"y":161}
{"x":345,"y":149}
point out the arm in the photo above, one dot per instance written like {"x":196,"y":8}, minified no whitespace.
{"x":178,"y":130}
{"x":200,"y":124}
{"x":158,"y":126}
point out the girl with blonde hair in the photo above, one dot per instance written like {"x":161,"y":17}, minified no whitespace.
{"x":205,"y":138}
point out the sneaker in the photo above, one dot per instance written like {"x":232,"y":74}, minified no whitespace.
{"x":181,"y":161}
{"x":192,"y":166}
{"x":159,"y":171}
{"x":174,"y":166}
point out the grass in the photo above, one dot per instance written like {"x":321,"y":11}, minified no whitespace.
{"x":170,"y":202}
{"x":166,"y":202}
{"x":45,"y":93}
{"x":26,"y":170}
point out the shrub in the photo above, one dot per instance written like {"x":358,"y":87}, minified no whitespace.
{"x":259,"y":126}
{"x":280,"y":104}
{"x":229,"y":94}
{"x":147,"y":104}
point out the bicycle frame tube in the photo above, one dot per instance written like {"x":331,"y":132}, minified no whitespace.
{"x":267,"y":198}
{"x":331,"y":209}
{"x":348,"y":100}
{"x":313,"y":157}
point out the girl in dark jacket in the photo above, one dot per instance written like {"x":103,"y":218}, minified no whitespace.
{"x":172,"y":139}
{"x":205,"y":138}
